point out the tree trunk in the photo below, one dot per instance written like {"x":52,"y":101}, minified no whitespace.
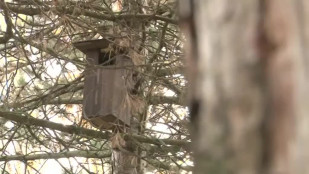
{"x":125,"y":157}
{"x":124,"y":162}
{"x":249,"y":99}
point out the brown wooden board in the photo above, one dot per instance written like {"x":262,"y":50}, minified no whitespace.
{"x":92,"y":45}
{"x":108,"y":80}
{"x":106,"y":92}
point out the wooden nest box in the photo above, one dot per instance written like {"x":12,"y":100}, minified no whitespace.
{"x":108,"y":79}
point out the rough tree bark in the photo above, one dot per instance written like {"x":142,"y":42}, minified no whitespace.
{"x":249,"y":97}
{"x":125,"y":155}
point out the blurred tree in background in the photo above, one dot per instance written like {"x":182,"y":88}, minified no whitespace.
{"x":41,"y":83}
{"x":249,"y":99}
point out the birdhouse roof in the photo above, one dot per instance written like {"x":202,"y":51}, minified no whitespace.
{"x":89,"y":45}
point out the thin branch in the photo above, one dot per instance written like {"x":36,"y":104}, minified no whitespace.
{"x":162,"y":72}
{"x":53,"y":93}
{"x":9,"y":33}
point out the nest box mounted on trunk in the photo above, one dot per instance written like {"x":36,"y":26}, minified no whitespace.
{"x":108,"y":79}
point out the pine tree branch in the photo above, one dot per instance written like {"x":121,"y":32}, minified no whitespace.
{"x":31,"y":11}
{"x":85,"y":154}
{"x":24,"y":118}
{"x":78,"y":153}
{"x":154,"y":100}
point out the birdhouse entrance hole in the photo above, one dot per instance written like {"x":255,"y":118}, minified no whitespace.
{"x":106,"y":58}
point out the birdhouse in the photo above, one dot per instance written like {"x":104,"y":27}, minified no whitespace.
{"x":108,"y":80}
